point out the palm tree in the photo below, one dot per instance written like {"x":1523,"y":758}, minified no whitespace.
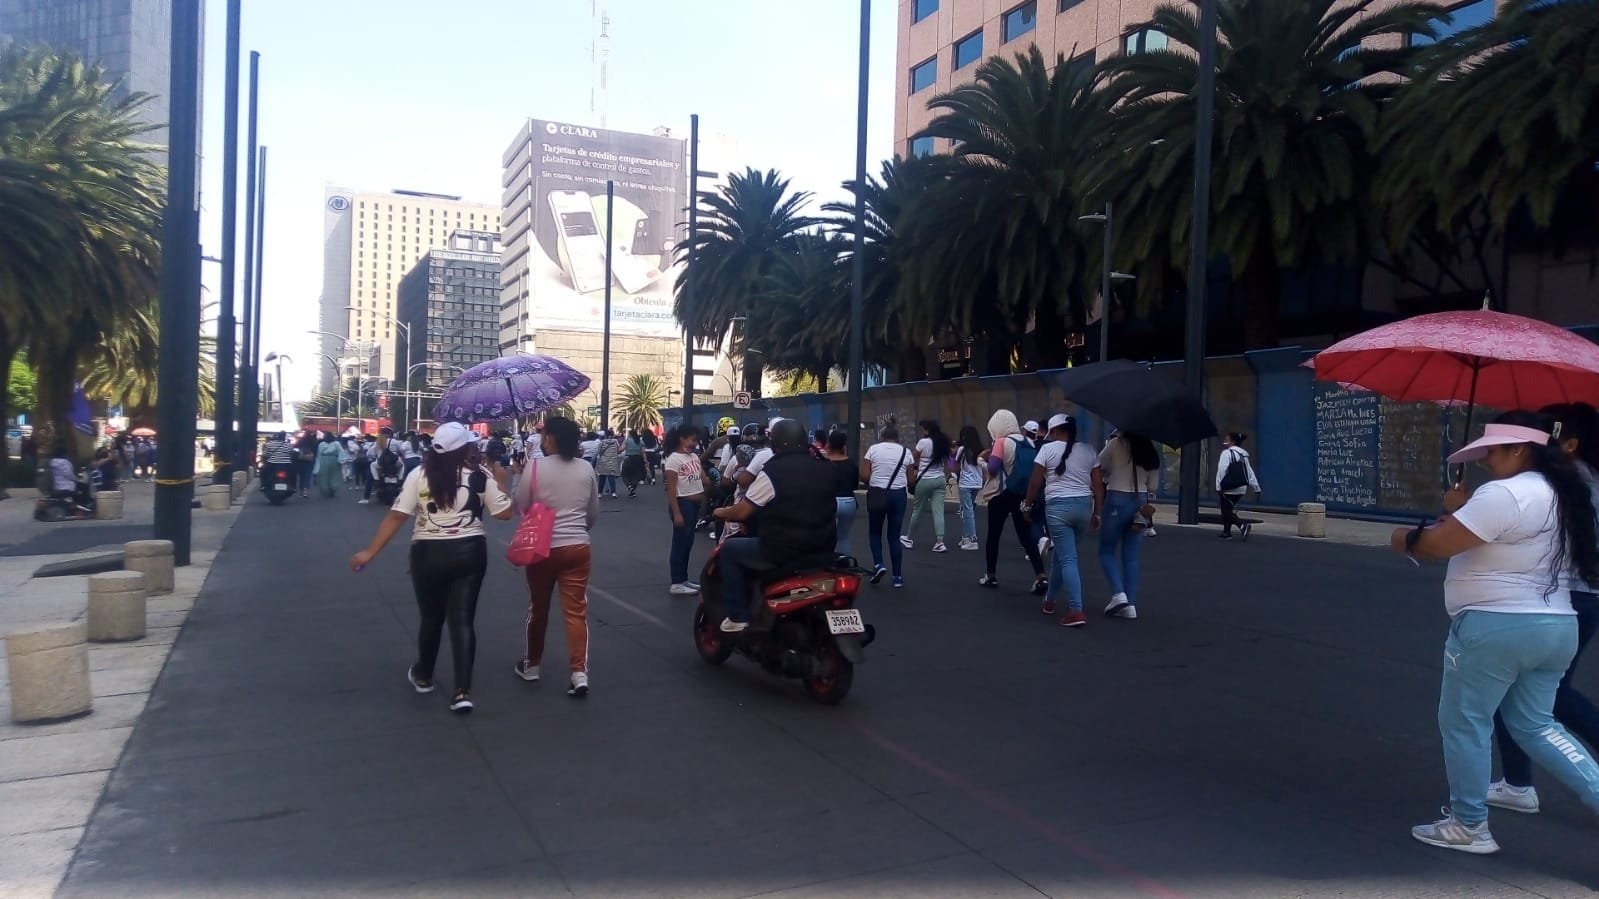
{"x":998,"y":246}
{"x":1501,"y":117}
{"x":74,"y":166}
{"x":122,"y":368}
{"x":1299,"y":86}
{"x":744,"y":226}
{"x":801,"y":320}
{"x":640,"y":401}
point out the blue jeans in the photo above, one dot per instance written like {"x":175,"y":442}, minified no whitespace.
{"x":683,"y":538}
{"x":1513,"y":663}
{"x":1118,"y":544}
{"x":893,"y":516}
{"x":607,"y":484}
{"x":1068,"y":519}
{"x":305,"y":470}
{"x":969,"y":513}
{"x":844,"y":518}
{"x":739,"y":559}
{"x":1574,"y":710}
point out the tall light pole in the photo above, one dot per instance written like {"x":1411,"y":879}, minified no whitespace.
{"x":1107,"y":278}
{"x":227,"y":336}
{"x":279,"y":358}
{"x":338,"y":393}
{"x":1199,"y":251}
{"x":690,"y":310}
{"x":180,"y":289}
{"x":405,"y":329}
{"x":605,"y":353}
{"x":250,"y":369}
{"x":858,"y":257}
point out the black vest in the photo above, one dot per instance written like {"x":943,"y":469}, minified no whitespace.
{"x":800,"y":519}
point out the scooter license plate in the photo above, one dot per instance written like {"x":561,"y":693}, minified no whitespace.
{"x":847,"y":621}
{"x":281,"y":488}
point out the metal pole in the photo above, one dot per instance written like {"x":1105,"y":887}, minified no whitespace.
{"x":1199,"y":252}
{"x":857,"y":364}
{"x":180,"y":289}
{"x":250,"y":370}
{"x":1104,"y":292}
{"x":605,"y":352}
{"x":227,"y":324}
{"x":689,"y":309}
{"x":281,"y":419}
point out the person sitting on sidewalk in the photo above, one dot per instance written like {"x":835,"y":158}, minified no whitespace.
{"x":792,"y":500}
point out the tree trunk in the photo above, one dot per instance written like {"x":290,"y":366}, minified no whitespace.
{"x":821,"y":376}
{"x":1049,"y":340}
{"x":1262,"y":283}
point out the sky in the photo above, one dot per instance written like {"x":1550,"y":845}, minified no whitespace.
{"x":383,"y":94}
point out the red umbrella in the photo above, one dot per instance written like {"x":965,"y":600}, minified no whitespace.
{"x":1499,"y":360}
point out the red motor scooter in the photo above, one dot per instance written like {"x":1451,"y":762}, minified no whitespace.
{"x":806,"y":625}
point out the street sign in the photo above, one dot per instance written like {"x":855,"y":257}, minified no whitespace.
{"x":741,"y":400}
{"x":594,"y":410}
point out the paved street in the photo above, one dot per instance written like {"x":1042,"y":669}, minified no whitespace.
{"x":1265,"y":729}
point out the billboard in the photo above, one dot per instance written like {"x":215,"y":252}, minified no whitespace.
{"x":566,"y":268}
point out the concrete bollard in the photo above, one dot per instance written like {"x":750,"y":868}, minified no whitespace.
{"x":154,"y":559}
{"x":218,"y":497}
{"x":117,"y":606}
{"x":108,"y":505}
{"x":241,"y":481}
{"x":49,"y":672}
{"x":1312,"y":520}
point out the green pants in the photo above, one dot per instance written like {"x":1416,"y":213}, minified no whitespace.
{"x":327,"y":478}
{"x":929,"y":494}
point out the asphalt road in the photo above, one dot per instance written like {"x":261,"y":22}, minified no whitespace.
{"x":1266,"y":728}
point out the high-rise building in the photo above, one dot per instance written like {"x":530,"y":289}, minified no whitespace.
{"x":369,"y":242}
{"x":942,"y":41}
{"x":132,"y":39}
{"x":558,"y":274}
{"x":451,"y":302}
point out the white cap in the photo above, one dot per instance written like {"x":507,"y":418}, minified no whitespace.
{"x":1058,"y":420}
{"x":1031,"y":427}
{"x":451,"y":436}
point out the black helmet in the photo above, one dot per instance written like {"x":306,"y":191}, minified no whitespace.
{"x":789,"y":436}
{"x":754,"y":432}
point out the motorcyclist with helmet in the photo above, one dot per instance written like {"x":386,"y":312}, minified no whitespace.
{"x":791,"y":501}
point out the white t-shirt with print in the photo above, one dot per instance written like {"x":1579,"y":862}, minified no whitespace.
{"x":1513,"y":571}
{"x":924,"y":457}
{"x":463,"y":519}
{"x":884,"y":457}
{"x":690,"y":474}
{"x":1078,"y":477}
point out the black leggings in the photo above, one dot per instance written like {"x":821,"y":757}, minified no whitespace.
{"x":1009,"y":505}
{"x":447,"y":575}
{"x":1229,"y":511}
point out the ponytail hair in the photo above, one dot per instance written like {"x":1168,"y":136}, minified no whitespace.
{"x":1143,"y":451}
{"x":1579,"y":422}
{"x":1578,"y":544}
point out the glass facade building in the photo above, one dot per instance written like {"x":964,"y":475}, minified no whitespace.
{"x":451,"y":302}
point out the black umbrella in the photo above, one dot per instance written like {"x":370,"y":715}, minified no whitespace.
{"x":1137,"y":400}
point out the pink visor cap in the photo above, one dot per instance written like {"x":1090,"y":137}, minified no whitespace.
{"x":1497,"y":435}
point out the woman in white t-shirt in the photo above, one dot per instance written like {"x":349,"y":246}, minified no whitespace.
{"x":887,"y":466}
{"x":685,"y":493}
{"x":967,"y":461}
{"x":1129,"y":470}
{"x":1513,"y":548}
{"x":1066,"y":476}
{"x":928,"y":484}
{"x":446,"y":497}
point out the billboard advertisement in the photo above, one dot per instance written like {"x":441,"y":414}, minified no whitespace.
{"x":567,"y":267}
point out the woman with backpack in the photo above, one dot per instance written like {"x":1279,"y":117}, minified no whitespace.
{"x":1128,"y":468}
{"x":1065,"y":476}
{"x":1234,"y":478}
{"x":1010,"y":468}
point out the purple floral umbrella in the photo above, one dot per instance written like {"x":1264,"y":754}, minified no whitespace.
{"x":509,"y":387}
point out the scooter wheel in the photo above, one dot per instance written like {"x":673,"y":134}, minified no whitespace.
{"x":51,"y":513}
{"x":830,"y":687}
{"x":713,"y":646}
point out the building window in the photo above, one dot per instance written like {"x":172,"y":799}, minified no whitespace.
{"x":1080,"y":64}
{"x":1018,"y":21}
{"x":1144,"y":40}
{"x":921,"y":146}
{"x":1456,"y":20}
{"x":921,"y":9}
{"x":1068,"y":4}
{"x":968,"y":49}
{"x":923,"y":76}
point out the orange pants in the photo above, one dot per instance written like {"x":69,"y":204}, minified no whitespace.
{"x":568,"y":568}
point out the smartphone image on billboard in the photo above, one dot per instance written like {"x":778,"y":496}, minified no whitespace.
{"x":582,"y":249}
{"x":633,"y":270}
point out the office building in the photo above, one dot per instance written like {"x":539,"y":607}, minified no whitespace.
{"x":555,"y":220}
{"x":369,"y":242}
{"x":132,"y":39}
{"x":451,"y":302}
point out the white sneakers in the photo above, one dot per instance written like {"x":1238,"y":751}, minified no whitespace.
{"x":729,"y":626}
{"x":527,"y":672}
{"x":580,"y":684}
{"x":1449,"y":833}
{"x":969,"y":544}
{"x":1120,"y":607}
{"x":907,"y":542}
{"x":687,"y":588}
{"x":1515,"y":799}
{"x":939,"y":547}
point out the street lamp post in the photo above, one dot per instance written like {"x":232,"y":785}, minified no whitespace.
{"x":338,"y":391}
{"x":1107,"y":278}
{"x":406,"y":330}
{"x":227,"y":338}
{"x":858,"y":257}
{"x":278,"y":358}
{"x":1199,"y":252}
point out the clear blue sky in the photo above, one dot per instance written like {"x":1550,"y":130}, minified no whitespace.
{"x":380,"y":94}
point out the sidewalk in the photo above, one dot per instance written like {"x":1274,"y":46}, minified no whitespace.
{"x":52,"y":776}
